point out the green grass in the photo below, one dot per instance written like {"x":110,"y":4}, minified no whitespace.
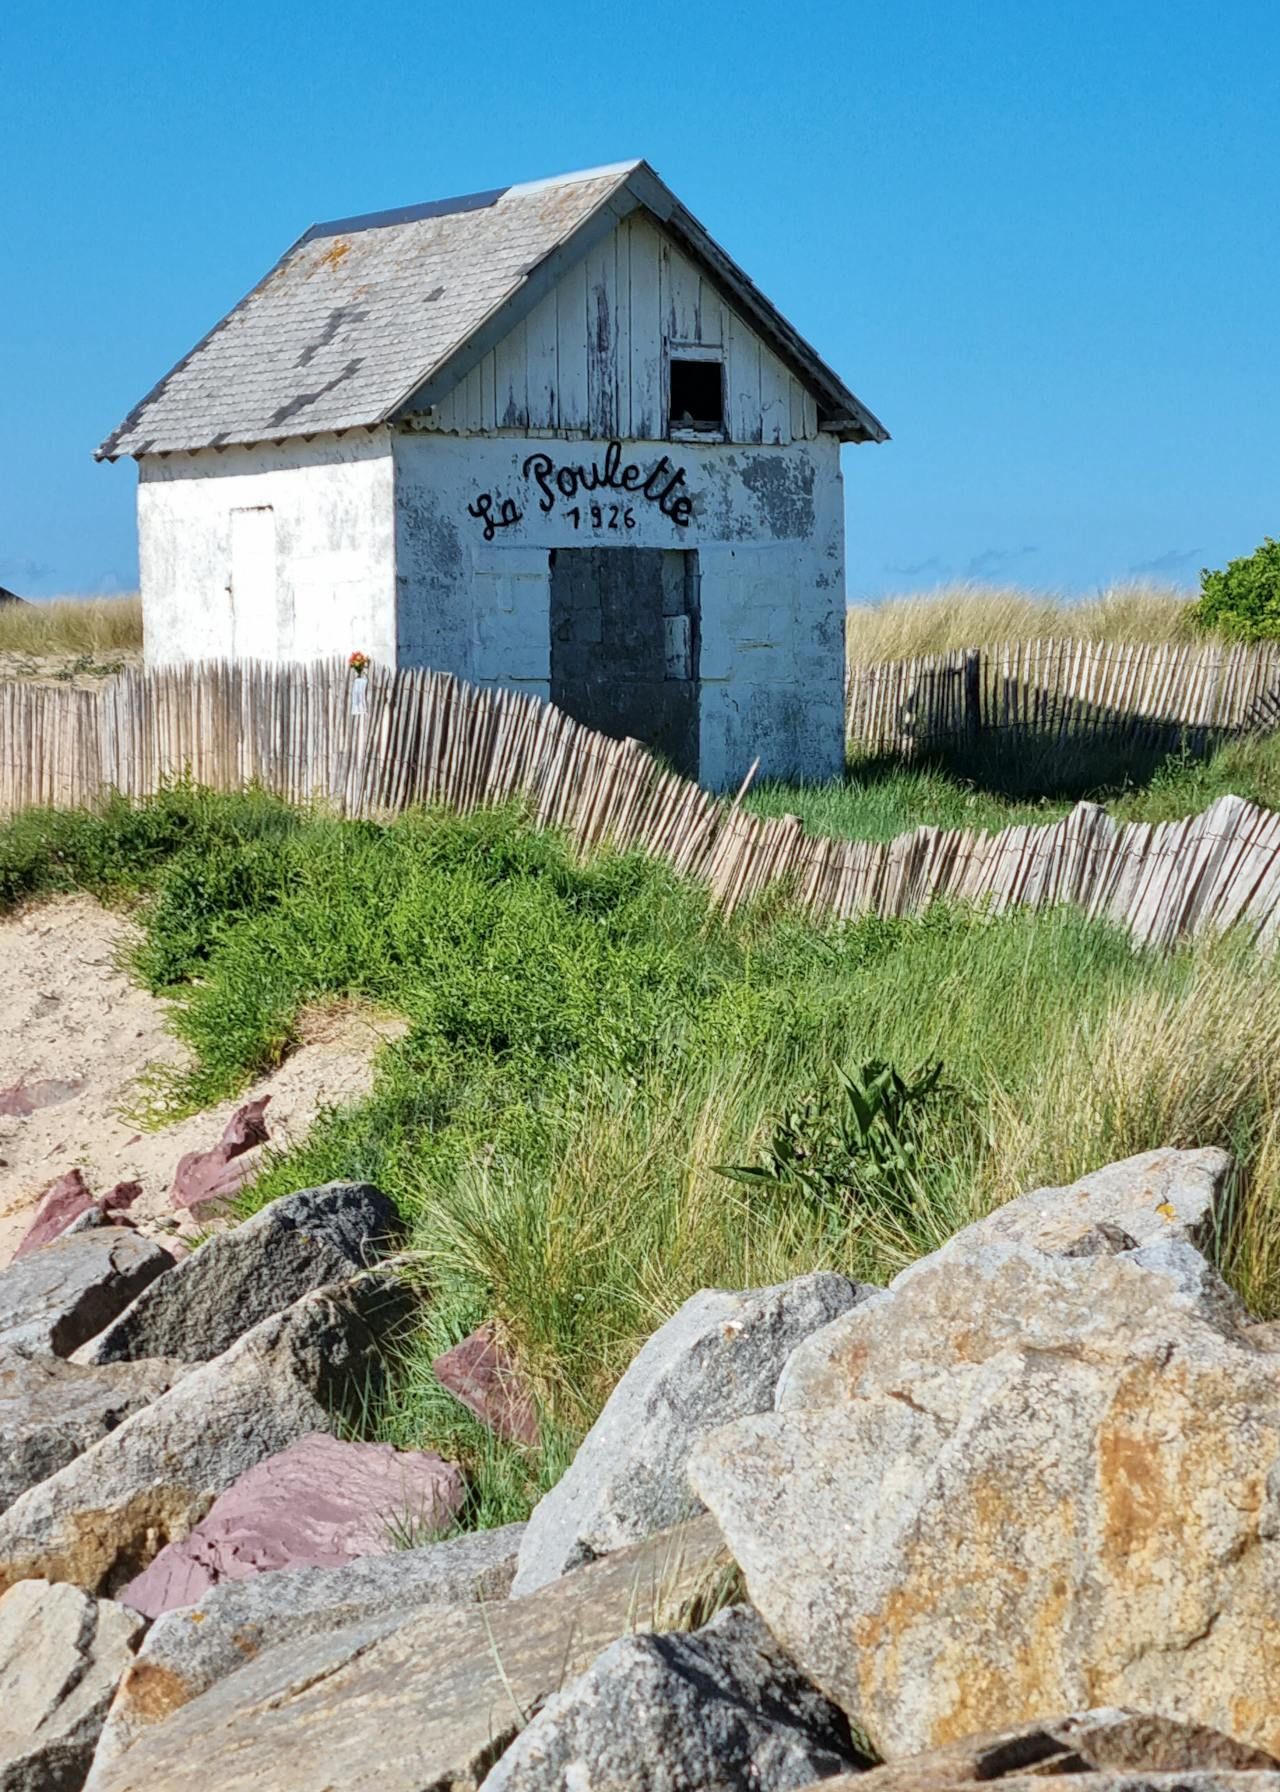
{"x":588,"y":1041}
{"x":998,"y":787}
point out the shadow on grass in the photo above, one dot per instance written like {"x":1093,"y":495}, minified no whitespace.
{"x":1048,"y":768}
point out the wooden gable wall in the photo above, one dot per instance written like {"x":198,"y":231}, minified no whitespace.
{"x":589,"y":359}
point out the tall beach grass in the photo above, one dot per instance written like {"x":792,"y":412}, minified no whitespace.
{"x":72,"y":625}
{"x":968,"y":614}
{"x":959,"y":615}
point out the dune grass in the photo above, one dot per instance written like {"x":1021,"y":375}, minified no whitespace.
{"x":588,"y":1042}
{"x":72,"y":625}
{"x":968,"y":614}
{"x":960,"y":615}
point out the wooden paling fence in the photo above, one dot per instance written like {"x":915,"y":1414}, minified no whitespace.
{"x":426,"y":738}
{"x":1129,"y":694}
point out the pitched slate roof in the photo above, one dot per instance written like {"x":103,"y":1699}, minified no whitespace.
{"x":364,"y":318}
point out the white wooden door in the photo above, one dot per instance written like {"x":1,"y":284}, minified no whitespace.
{"x":255,"y":619}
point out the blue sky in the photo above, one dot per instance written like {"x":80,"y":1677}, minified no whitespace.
{"x":1042,"y":241}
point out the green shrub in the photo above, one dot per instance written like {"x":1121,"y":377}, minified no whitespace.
{"x":850,"y":1151}
{"x":122,"y":847}
{"x":1243,"y":601}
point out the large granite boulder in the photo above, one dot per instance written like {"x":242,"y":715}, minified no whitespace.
{"x":240,"y":1277}
{"x":946,"y":1311}
{"x":61,"y":1656}
{"x":719,"y":1356}
{"x":51,"y":1410}
{"x":1110,"y":1748}
{"x":317,"y":1504}
{"x":1157,"y":1195}
{"x":1071,"y":1496}
{"x":103,"y":1517}
{"x":186,"y":1651}
{"x":431,"y":1698}
{"x":62,"y":1294}
{"x":722,"y":1706}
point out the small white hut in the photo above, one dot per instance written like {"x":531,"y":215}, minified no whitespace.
{"x":549,"y":437}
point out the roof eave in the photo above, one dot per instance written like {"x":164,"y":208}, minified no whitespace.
{"x":839,"y":404}
{"x":861,"y":428}
{"x":111,"y":447}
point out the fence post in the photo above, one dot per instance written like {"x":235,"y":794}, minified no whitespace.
{"x":973,"y":694}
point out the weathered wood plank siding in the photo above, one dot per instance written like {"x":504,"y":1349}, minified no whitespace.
{"x":426,"y":738}
{"x":588,"y":360}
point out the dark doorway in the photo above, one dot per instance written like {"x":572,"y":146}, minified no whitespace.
{"x":624,"y":645}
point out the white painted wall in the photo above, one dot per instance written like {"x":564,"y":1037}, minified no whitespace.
{"x":372,"y":542}
{"x":768,"y":526}
{"x":277,"y":553}
{"x":590,"y":358}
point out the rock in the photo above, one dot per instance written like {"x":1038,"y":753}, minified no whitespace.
{"x":50,"y":1411}
{"x":70,"y":1199}
{"x":186,"y":1651}
{"x":1158,"y":1195}
{"x":1209,"y":1779}
{"x":100,"y":1520}
{"x":720,"y":1707}
{"x":318,"y":1504}
{"x":240,"y":1277}
{"x":209,"y":1179}
{"x":403,"y":1702}
{"x":481,"y":1374}
{"x":61,"y":1656}
{"x":55,"y":1299}
{"x":964,"y":1551}
{"x":718,"y":1357}
{"x":22,"y":1099}
{"x":946,"y":1311}
{"x":91,"y":1220}
{"x":1087,"y":1742}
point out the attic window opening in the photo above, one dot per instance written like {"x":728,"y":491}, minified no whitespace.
{"x":697,"y":395}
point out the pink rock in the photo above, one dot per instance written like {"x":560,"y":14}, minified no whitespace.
{"x":210,"y":1178}
{"x":22,"y":1099}
{"x":481,"y":1374}
{"x":318,"y":1504}
{"x":64,"y":1201}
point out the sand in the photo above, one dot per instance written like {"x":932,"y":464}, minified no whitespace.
{"x":71,"y":1015}
{"x":83,"y":671}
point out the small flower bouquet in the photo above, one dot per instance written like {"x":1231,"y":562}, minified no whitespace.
{"x":358,"y":664}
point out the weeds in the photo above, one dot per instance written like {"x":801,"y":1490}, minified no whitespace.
{"x":851,"y":1153}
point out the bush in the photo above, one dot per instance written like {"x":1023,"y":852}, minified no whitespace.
{"x":1243,"y":601}
{"x":849,"y":1151}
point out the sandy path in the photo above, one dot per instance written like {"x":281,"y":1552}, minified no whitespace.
{"x":70,"y":1016}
